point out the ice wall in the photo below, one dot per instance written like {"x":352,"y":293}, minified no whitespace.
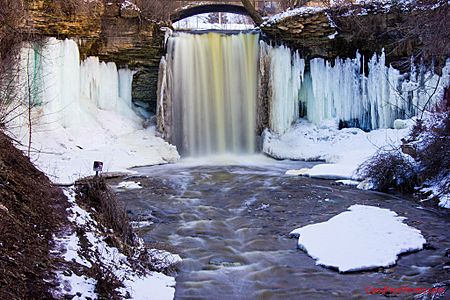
{"x":286,"y":73}
{"x":63,"y":86}
{"x":342,"y":91}
{"x":211,"y":79}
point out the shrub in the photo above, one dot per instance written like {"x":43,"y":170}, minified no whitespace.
{"x":95,"y":193}
{"x":433,"y":146}
{"x":157,"y":10}
{"x":390,"y":170}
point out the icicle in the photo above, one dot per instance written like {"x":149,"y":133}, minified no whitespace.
{"x":60,"y":82}
{"x":286,"y":76}
{"x":341,"y":92}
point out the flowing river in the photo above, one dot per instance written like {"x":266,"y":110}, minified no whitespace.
{"x":231,"y":225}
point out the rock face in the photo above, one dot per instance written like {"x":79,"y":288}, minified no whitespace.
{"x":330,"y":33}
{"x":112,"y":32}
{"x":308,"y":32}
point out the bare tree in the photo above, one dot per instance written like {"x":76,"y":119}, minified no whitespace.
{"x":254,"y":14}
{"x":11,"y":17}
{"x":156,"y":10}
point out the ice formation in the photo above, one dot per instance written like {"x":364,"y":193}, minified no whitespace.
{"x":61,"y":85}
{"x":285,"y":79}
{"x":343,"y":92}
{"x":81,"y":112}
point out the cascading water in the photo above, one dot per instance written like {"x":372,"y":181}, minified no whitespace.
{"x":212,"y":81}
{"x":208,"y":91}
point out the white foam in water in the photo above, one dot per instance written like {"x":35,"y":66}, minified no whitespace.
{"x":342,"y":92}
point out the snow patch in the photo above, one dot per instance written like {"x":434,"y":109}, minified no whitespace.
{"x":129,"y":185}
{"x":137,"y":285}
{"x":341,"y":150}
{"x":364,"y":237}
{"x":301,"y":11}
{"x":81,"y":287}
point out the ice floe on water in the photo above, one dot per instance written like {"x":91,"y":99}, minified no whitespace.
{"x":362,"y":238}
{"x":129,"y":185}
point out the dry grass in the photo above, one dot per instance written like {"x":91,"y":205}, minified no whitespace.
{"x":95,"y":193}
{"x":31,"y":211}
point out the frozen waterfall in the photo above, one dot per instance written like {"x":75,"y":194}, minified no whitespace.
{"x":208,"y":91}
{"x":65,"y":89}
{"x":374,"y":101}
{"x":286,"y":73}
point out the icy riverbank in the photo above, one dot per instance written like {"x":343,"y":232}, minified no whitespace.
{"x":87,"y":246}
{"x":341,"y":150}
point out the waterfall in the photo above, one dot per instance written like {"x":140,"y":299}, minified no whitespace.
{"x":216,"y":91}
{"x":211,"y":79}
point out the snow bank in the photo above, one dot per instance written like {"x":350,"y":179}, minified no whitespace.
{"x":151,"y":285}
{"x":83,"y":112}
{"x":365,"y":237}
{"x":341,"y":150}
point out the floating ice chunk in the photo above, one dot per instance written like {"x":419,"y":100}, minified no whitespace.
{"x":365,"y":237}
{"x":129,"y":185}
{"x":347,"y":182}
{"x":298,"y":172}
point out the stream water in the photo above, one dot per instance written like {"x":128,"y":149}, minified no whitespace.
{"x":231,"y":225}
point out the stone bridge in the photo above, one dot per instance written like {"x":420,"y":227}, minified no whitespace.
{"x":188,"y":8}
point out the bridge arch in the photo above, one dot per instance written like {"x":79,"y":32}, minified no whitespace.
{"x":207,"y":8}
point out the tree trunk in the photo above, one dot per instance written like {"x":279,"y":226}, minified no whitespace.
{"x":254,"y":14}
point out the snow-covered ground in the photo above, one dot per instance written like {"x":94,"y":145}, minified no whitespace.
{"x":341,"y":150}
{"x":152,"y":285}
{"x":364,"y":237}
{"x":67,"y":154}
